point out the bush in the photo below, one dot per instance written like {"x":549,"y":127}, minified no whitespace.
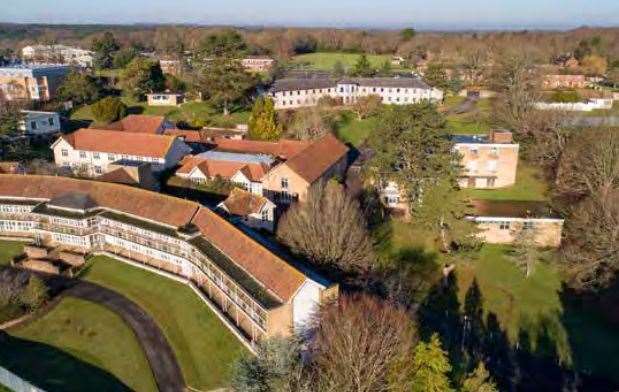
{"x":108,"y":110}
{"x":35,"y":293}
{"x":566,"y":96}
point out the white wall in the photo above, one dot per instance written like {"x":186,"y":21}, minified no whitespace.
{"x":305,"y":303}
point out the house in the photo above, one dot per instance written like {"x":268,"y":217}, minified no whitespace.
{"x":40,"y":124}
{"x":292,"y":93}
{"x":164,"y":99}
{"x":94,"y":150}
{"x":487,"y":161}
{"x":31,"y":82}
{"x":260,"y":294}
{"x":255,"y":211}
{"x":502,"y":221}
{"x":171,"y":66}
{"x":140,"y":123}
{"x":258,"y":64}
{"x":552,"y":82}
{"x":58,"y":54}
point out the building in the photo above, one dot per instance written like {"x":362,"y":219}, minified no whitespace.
{"x":94,"y":150}
{"x":254,"y":211}
{"x":294,"y":93}
{"x":40,"y":124}
{"x":552,"y":82}
{"x":58,"y":54}
{"x":164,"y":99}
{"x":501,"y":222}
{"x":171,"y":66}
{"x":259,"y":293}
{"x":31,"y":82}
{"x":140,"y":123}
{"x":258,"y":64}
{"x":132,"y":173}
{"x":587,"y":105}
{"x":487,"y":161}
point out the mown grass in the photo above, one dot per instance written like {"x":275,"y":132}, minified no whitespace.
{"x":325,"y":61}
{"x":75,"y":346}
{"x":476,"y":121}
{"x":204,"y":347}
{"x":8,"y":250}
{"x":530,"y":186}
{"x":350,"y":129}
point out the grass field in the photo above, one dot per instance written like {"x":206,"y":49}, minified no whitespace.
{"x":476,"y":121}
{"x":204,"y":347}
{"x":76,"y":346}
{"x":354,"y":131}
{"x":530,"y":186}
{"x":325,"y":61}
{"x":8,"y":250}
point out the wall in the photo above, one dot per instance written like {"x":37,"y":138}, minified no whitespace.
{"x":504,"y":157}
{"x":548,"y":231}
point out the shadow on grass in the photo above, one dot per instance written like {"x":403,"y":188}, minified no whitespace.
{"x":52,"y":369}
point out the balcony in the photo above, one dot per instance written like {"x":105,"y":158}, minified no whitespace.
{"x":55,"y":228}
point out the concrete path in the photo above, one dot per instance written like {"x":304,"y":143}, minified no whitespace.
{"x":160,"y":355}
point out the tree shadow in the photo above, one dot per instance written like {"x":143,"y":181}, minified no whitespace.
{"x":52,"y":369}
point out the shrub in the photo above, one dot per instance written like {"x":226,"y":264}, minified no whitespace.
{"x":565,"y":96}
{"x":108,"y":110}
{"x":34,"y":294}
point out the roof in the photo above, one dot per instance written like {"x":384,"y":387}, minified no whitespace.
{"x":140,"y":144}
{"x":227,"y":169}
{"x":243,"y":203}
{"x":73,"y":200}
{"x":289,"y":84}
{"x":188,"y":136}
{"x":513,"y":209}
{"x":311,"y":83}
{"x":284,"y":148}
{"x":237,"y":157}
{"x":316,"y":159}
{"x":137,"y":123}
{"x":119,"y":176}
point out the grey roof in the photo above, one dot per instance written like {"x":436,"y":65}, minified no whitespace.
{"x":470,"y":139}
{"x":237,"y":157}
{"x":302,"y":84}
{"x":73,"y":200}
{"x":310,"y":83}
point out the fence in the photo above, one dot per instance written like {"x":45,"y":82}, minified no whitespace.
{"x":16,"y":383}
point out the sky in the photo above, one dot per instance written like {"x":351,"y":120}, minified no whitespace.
{"x":421,"y":14}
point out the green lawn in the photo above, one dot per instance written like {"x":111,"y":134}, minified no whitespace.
{"x":325,"y":61}
{"x":76,"y":346}
{"x":530,"y":186}
{"x":477,"y":121}
{"x":203,"y":345}
{"x":354,"y":131}
{"x":10,"y":249}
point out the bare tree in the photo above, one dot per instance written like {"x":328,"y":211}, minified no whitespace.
{"x":358,"y":342}
{"x":328,"y":229}
{"x":366,"y":106}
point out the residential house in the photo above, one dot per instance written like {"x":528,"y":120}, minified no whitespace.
{"x":164,"y":99}
{"x":254,"y":211}
{"x":259,"y":293}
{"x":31,"y":82}
{"x":488,"y":161}
{"x":501,"y":222}
{"x":58,"y":54}
{"x":140,"y":123}
{"x":40,"y":124}
{"x":292,"y":93}
{"x":94,"y":150}
{"x":552,"y":82}
{"x":258,"y":64}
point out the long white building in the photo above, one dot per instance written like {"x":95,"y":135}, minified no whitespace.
{"x":291,"y":93}
{"x":61,"y":54}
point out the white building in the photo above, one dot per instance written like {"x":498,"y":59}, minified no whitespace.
{"x":93,"y":150}
{"x":164,"y":99}
{"x":31,"y":82}
{"x":60,"y":54}
{"x":39,"y":124}
{"x":303,"y":92}
{"x":586,"y":106}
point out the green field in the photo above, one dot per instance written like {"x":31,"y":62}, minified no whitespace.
{"x":76,"y":346}
{"x":325,"y":61}
{"x":8,"y":250}
{"x":354,"y":131}
{"x":530,"y":186}
{"x":476,"y":121}
{"x":204,"y":347}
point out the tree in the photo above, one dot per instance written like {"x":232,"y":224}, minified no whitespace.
{"x":79,"y":88}
{"x":263,"y":121}
{"x":594,"y":64}
{"x":105,"y":48}
{"x":313,"y":122}
{"x":358,"y":342}
{"x":225,"y":82}
{"x":479,"y":381}
{"x":408,"y":34}
{"x":363,"y":67}
{"x":436,"y":76}
{"x":11,"y":118}
{"x":338,"y":69}
{"x":123,"y":57}
{"x":228,"y":44}
{"x":525,"y":252}
{"x":566,"y":96}
{"x":34,"y":294}
{"x":328,"y":229}
{"x":385,"y":68}
{"x":430,"y":367}
{"x":142,"y":76}
{"x":367,"y":106}
{"x":108,"y":110}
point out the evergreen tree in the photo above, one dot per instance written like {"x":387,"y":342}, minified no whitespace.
{"x":142,"y":76}
{"x":34,"y":294}
{"x":225,"y":82}
{"x":79,"y":88}
{"x":263,"y":121}
{"x":479,"y":381}
{"x":108,"y":109}
{"x":436,"y":76}
{"x":525,"y":252}
{"x":363,"y":67}
{"x":338,"y":69}
{"x":385,"y":69}
{"x":105,"y":48}
{"x":430,"y":367}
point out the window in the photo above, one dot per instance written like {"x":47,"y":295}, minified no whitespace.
{"x":95,"y":155}
{"x":490,"y":182}
{"x":284,"y":183}
{"x":51,"y":121}
{"x":110,"y":157}
{"x":33,"y":125}
{"x":265,"y":215}
{"x":528,"y":225}
{"x":65,"y":153}
{"x":98,"y":169}
{"x":504,"y":225}
{"x":82,"y":154}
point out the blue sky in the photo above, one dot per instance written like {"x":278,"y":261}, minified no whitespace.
{"x":423,"y":14}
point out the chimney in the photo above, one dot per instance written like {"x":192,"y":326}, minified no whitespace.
{"x":501,"y":137}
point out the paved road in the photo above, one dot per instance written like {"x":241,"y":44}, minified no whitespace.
{"x":162,"y":360}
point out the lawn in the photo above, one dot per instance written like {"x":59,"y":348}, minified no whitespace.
{"x":354,"y":131}
{"x":204,"y":347}
{"x":76,"y":346}
{"x":530,"y":186}
{"x":10,"y":249}
{"x":325,"y":61}
{"x":476,"y":121}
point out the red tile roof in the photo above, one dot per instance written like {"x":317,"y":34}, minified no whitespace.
{"x":315,"y":160}
{"x":140,"y":144}
{"x":137,"y":123}
{"x":240,"y":202}
{"x":227,"y":169}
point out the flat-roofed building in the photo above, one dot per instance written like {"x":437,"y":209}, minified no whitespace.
{"x":31,"y":82}
{"x":292,"y":93}
{"x":258,"y":63}
{"x":40,"y":124}
{"x":93,"y":150}
{"x":551,"y":82}
{"x":164,"y":99}
{"x":60,"y":54}
{"x":258,"y":292}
